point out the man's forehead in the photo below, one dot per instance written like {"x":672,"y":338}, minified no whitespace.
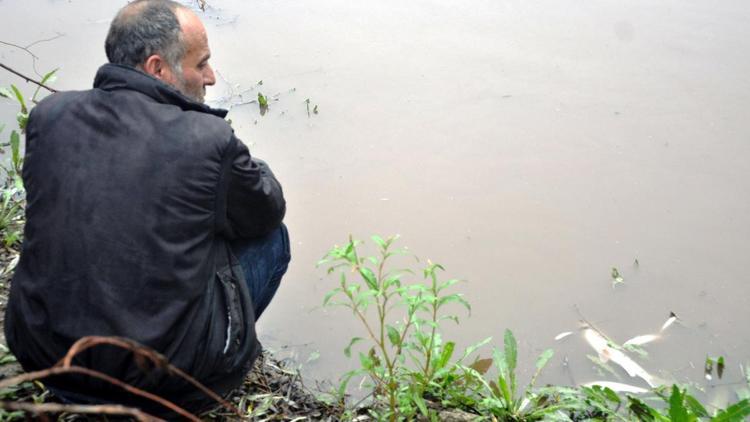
{"x":192,"y":27}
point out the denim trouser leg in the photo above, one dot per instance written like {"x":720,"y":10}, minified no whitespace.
{"x":264,"y":261}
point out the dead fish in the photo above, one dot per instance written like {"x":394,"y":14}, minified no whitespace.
{"x":617,"y":386}
{"x":672,"y":318}
{"x":563,"y":335}
{"x":640,"y":340}
{"x":606,"y":353}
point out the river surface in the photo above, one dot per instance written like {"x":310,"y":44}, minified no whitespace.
{"x":528,"y":146}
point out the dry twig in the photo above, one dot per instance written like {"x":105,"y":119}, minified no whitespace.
{"x":28,"y":79}
{"x":37,"y":408}
{"x":141,"y":352}
{"x":27,"y":48}
{"x":142,"y":355}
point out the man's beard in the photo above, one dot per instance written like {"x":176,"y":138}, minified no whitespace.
{"x":197,"y":96}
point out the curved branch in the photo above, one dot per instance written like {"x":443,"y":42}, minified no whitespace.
{"x":57,"y":370}
{"x":142,"y":352}
{"x":37,"y":408}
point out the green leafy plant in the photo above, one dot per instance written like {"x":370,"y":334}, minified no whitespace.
{"x":601,"y":403}
{"x":413,"y":373}
{"x":406,"y":359}
{"x":501,"y":396}
{"x":12,"y":197}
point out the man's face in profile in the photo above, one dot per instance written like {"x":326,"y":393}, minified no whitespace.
{"x":196,"y":72}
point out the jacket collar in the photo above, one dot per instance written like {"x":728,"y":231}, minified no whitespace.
{"x":112,"y":77}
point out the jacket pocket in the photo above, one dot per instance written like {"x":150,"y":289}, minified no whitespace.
{"x":235,"y":321}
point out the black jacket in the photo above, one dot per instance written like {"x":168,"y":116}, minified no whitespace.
{"x":133,"y":191}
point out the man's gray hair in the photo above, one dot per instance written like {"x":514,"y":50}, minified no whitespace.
{"x":144,"y":28}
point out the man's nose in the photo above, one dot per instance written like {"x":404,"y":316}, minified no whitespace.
{"x":209,"y":78}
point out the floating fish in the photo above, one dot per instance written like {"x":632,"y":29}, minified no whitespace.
{"x":606,"y":353}
{"x":617,"y":386}
{"x":672,"y":318}
{"x":563,"y":335}
{"x":639,"y":340}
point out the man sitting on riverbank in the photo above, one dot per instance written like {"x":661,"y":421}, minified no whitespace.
{"x":146,"y":219}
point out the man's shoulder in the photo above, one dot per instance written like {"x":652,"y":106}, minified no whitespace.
{"x":60,"y":97}
{"x":207,"y":126}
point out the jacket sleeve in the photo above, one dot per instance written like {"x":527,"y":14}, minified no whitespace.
{"x":255,"y":203}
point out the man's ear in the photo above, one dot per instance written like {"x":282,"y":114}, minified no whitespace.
{"x":157,"y":67}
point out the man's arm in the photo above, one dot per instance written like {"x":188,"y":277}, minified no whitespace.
{"x":255,"y":202}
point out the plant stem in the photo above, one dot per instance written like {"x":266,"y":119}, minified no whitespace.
{"x":428,"y":356}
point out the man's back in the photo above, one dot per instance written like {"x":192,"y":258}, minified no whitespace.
{"x":132,"y":191}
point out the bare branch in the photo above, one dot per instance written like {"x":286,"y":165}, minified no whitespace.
{"x":27,"y":48}
{"x":28,"y":79}
{"x":59,"y":34}
{"x":84,"y":409}
{"x":20,"y":48}
{"x":142,"y":352}
{"x":57,"y":370}
{"x":142,"y":355}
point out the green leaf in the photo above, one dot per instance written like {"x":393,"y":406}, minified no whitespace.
{"x":262,"y":100}
{"x":417,"y":398}
{"x":507,"y":393}
{"x":5,"y":93}
{"x":366,"y":361}
{"x":15,"y":147}
{"x":720,"y":366}
{"x":542,"y":360}
{"x":49,"y":77}
{"x":9,"y":358}
{"x":611,"y":395}
{"x":695,"y":406}
{"x":369,"y":277}
{"x":446,"y":354}
{"x":640,"y":409}
{"x":446,"y":284}
{"x":394,"y":279}
{"x":19,"y":97}
{"x":379,"y":241}
{"x":330,"y":295}
{"x":474,"y":347}
{"x":708,"y":368}
{"x":677,"y":410}
{"x":734,"y":413}
{"x":365,"y":298}
{"x":348,"y":349}
{"x":22,"y":118}
{"x":511,"y":350}
{"x":393,"y":335}
{"x":345,"y":380}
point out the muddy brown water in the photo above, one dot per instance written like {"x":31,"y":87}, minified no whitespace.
{"x":529,"y":147}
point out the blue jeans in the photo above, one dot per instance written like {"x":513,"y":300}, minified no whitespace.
{"x":264,"y":261}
